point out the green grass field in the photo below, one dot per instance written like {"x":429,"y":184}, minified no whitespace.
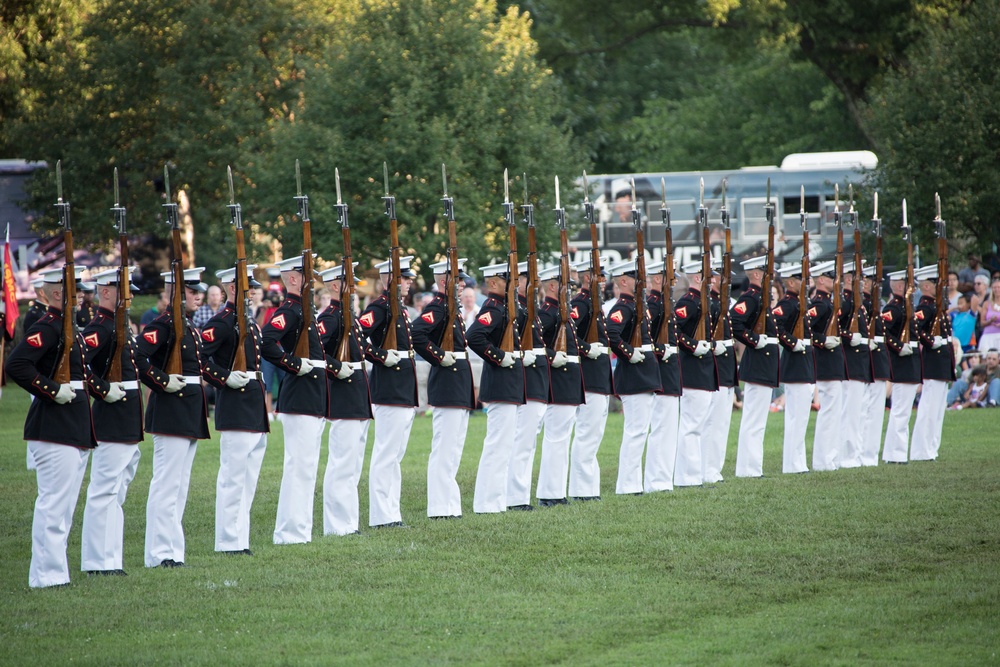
{"x":891,"y":565}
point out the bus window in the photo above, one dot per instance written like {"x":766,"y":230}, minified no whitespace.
{"x":753,"y":222}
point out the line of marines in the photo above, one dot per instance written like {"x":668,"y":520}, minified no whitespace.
{"x":676,"y":400}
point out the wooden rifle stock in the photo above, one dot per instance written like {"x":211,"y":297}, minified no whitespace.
{"x":704,"y":328}
{"x":640,"y":276}
{"x":725,"y":281}
{"x":664,"y":333}
{"x":857,"y":283}
{"x":174,"y":365}
{"x":347,"y":280}
{"x":760,"y":324}
{"x":241,"y":282}
{"x":876,"y":281}
{"x":452,"y":278}
{"x":940,"y":295}
{"x":564,"y":322}
{"x":798,"y":330}
{"x":507,"y":341}
{"x":908,"y":287}
{"x":62,"y":374}
{"x":593,"y":329}
{"x":122,"y":331}
{"x":395,"y":287}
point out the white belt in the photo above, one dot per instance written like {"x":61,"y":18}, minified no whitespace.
{"x":670,"y":349}
{"x":646,"y":348}
{"x":771,"y":340}
{"x":864,"y":341}
{"x":318,"y":363}
{"x":192,"y":379}
{"x":914,"y":344}
{"x":729,"y":342}
{"x":572,"y":359}
{"x":354,"y":365}
{"x":130,"y":384}
{"x":538,"y":351}
{"x":879,"y":339}
{"x":837,"y":338}
{"x":461,"y":355}
{"x":255,"y":375}
{"x":76,"y":384}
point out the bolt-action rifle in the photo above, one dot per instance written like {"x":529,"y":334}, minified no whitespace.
{"x":177,"y":314}
{"x":833,"y":326}
{"x":531,"y":288}
{"x":593,"y":330}
{"x":302,"y":344}
{"x":727,"y":265}
{"x":877,"y":278}
{"x":941,"y":295}
{"x":666,"y":324}
{"x":858,"y":283}
{"x":123,"y":333}
{"x":799,"y":329}
{"x":908,"y":287}
{"x":242,"y":295}
{"x":507,"y":340}
{"x":640,"y":276}
{"x":347,"y":282}
{"x":704,"y":329}
{"x":564,"y":323}
{"x":395,"y":288}
{"x":451,"y":279}
{"x":760,"y":324}
{"x":62,"y":375}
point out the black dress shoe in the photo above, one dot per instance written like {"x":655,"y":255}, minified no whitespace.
{"x":521,"y":508}
{"x":106,"y":573}
{"x":584,"y":498}
{"x":169,"y":562}
{"x":552,"y":502}
{"x":446,"y":516}
{"x":392,"y":524}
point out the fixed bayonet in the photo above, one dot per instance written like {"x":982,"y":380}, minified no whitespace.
{"x":508,"y":205}
{"x":449,"y":203}
{"x":560,"y":211}
{"x":340,"y":206}
{"x":235,"y":212}
{"x":170,"y":205}
{"x":300,"y":199}
{"x":636,"y":217}
{"x":390,"y":201}
{"x":527,"y":208}
{"x":118,"y":210}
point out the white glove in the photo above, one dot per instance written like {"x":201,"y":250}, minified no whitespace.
{"x":448,"y":359}
{"x":116,"y":392}
{"x":702,"y":348}
{"x":939,"y":342}
{"x":667,"y":353}
{"x":637,"y":356}
{"x":872,"y":345}
{"x":65,"y":394}
{"x":306,"y":368}
{"x":559,"y":360}
{"x":392,"y":358}
{"x":595,"y":351}
{"x":175,"y":384}
{"x":800,"y":346}
{"x":906,"y":351}
{"x":507,"y":361}
{"x":855,"y":339}
{"x":528,"y":359}
{"x":761,"y":342}
{"x":237,"y":380}
{"x":831,"y":342}
{"x":719,"y":348}
{"x":346,"y":371}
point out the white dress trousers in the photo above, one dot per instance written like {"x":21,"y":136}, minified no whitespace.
{"x":693,"y":420}
{"x":385,"y":478}
{"x":874,"y":406}
{"x":491,"y":479}
{"x":852,"y":419}
{"x":520,"y":453}
{"x":661,"y":445}
{"x":584,"y":471}
{"x":173,"y":457}
{"x":930,"y":419}
{"x":112,"y":469}
{"x":753,"y":422}
{"x":798,"y":405}
{"x":553,"y":471}
{"x":638,"y":412}
{"x":341,"y":508}
{"x":826,"y":439}
{"x":303,"y":440}
{"x":241,"y":454}
{"x":59,"y":470}
{"x":716,"y":435}
{"x":447,"y":442}
{"x":897,"y":434}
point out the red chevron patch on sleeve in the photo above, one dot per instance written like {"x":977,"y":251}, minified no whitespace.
{"x":428,"y":317}
{"x":151,"y":337}
{"x":919,"y":315}
{"x":92,"y":339}
{"x":322,"y":328}
{"x":209,"y":335}
{"x":575,"y":314}
{"x":812,"y":312}
{"x":887,"y":316}
{"x":617,"y":316}
{"x":367,"y":319}
{"x":741,"y":308}
{"x":485,"y":319}
{"x":681,"y":312}
{"x":279,"y":322}
{"x":777,"y":311}
{"x":35,"y":339}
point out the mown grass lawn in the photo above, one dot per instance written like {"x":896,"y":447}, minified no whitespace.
{"x":887,"y":565}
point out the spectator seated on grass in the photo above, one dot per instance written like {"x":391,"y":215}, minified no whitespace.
{"x":992,"y":366}
{"x":975,"y":395}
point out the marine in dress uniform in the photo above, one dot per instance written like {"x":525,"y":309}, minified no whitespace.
{"x":592,"y":414}
{"x":240,"y":415}
{"x":905,"y":368}
{"x":797,"y":371}
{"x":661,"y":446}
{"x":857,"y":356}
{"x":565,"y":390}
{"x":87,"y":309}
{"x":302,"y":406}
{"x":118,"y":428}
{"x":759,"y":369}
{"x":699,"y":379}
{"x":501,"y":390}
{"x":874,"y":400}
{"x":637,"y":377}
{"x":535,"y":363}
{"x":831,"y":368}
{"x":177,"y":418}
{"x":59,"y":432}
{"x":393,"y":385}
{"x":937,"y":356}
{"x":720,"y":411}
{"x":349,"y":411}
{"x":450,"y":392}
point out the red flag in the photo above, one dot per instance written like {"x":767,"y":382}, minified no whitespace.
{"x":9,"y":289}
